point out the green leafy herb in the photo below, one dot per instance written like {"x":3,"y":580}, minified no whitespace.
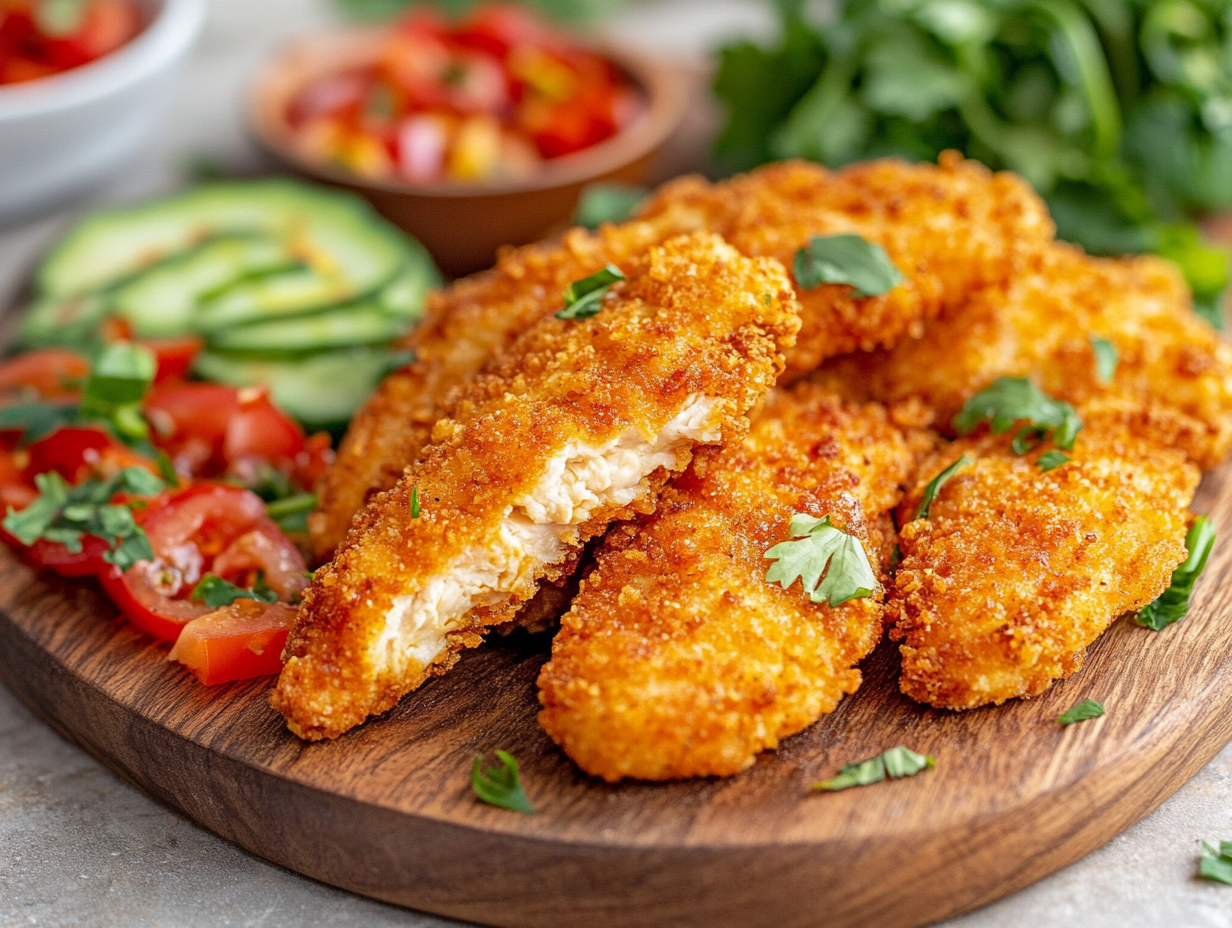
{"x":1014,"y":399}
{"x":167,"y":468}
{"x":1216,"y":862}
{"x":584,"y":298}
{"x":1114,"y":111}
{"x":65,"y":514}
{"x":820,"y":547}
{"x":216,"y":592}
{"x":497,"y":784}
{"x":59,"y":17}
{"x":291,"y":512}
{"x":1087,"y":709}
{"x":36,"y":420}
{"x":935,"y":485}
{"x":846,"y":259}
{"x":1105,"y":358}
{"x":414,"y":502}
{"x":116,"y":386}
{"x":607,"y":202}
{"x":1173,"y":603}
{"x":1051,"y":460}
{"x":894,"y":763}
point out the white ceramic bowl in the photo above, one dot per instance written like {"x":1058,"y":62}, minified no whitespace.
{"x":62,"y":135}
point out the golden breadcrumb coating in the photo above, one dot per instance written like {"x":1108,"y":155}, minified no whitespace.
{"x":678,"y":659}
{"x":1017,"y":571}
{"x":948,"y":228}
{"x":1171,"y":364}
{"x":464,"y":327}
{"x":579,"y":425}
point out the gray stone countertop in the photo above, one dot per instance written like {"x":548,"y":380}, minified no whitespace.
{"x":79,"y":847}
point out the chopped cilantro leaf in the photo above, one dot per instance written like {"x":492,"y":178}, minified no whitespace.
{"x":1051,"y":460}
{"x":116,"y":386}
{"x":36,"y":420}
{"x":818,"y":547}
{"x":291,"y":512}
{"x":497,"y":784}
{"x":1015,"y":399}
{"x":1105,"y":358}
{"x":1087,"y":709}
{"x":1216,"y":862}
{"x":846,"y":259}
{"x":216,"y":592}
{"x":584,"y":298}
{"x":894,"y":763}
{"x":607,"y":202}
{"x":1173,"y":603}
{"x":64,"y":514}
{"x":935,"y":485}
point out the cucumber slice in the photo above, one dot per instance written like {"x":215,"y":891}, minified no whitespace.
{"x":161,"y":302}
{"x":291,"y":293}
{"x":407,"y":293}
{"x":344,"y":327}
{"x":335,"y":232}
{"x":320,"y":390}
{"x":65,"y":321}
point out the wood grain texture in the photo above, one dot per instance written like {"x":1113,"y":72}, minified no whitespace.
{"x":387,"y":811}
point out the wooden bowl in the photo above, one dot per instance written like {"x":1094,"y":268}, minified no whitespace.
{"x":463,"y":224}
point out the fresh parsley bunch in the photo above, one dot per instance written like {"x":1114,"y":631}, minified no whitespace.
{"x":1118,"y":112}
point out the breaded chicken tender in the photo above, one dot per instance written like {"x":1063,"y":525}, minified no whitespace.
{"x":948,"y":228}
{"x":1171,"y":364}
{"x":1017,"y":571}
{"x":678,"y":659}
{"x":580,"y":424}
{"x":465,"y":327}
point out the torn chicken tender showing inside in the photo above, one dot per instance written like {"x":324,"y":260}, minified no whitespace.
{"x":577,"y":423}
{"x":535,"y":530}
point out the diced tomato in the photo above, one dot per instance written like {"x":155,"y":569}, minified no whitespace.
{"x":139,"y":594}
{"x":497,"y":28}
{"x":80,"y":453}
{"x":175,"y":356}
{"x":186,"y":532}
{"x":260,"y":431}
{"x":105,"y":26}
{"x":50,"y":373}
{"x":52,"y":555}
{"x":312,"y":462}
{"x":242,"y":640}
{"x":189,"y":421}
{"x":267,"y":552}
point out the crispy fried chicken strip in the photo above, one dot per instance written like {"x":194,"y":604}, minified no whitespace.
{"x":1017,"y":571}
{"x":948,"y":228}
{"x":465,"y":327}
{"x":579,"y":425}
{"x":1171,"y":364}
{"x":678,"y":659}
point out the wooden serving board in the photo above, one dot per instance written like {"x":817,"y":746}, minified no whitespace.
{"x":387,"y":810}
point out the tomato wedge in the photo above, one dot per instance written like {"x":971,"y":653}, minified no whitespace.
{"x":242,"y":640}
